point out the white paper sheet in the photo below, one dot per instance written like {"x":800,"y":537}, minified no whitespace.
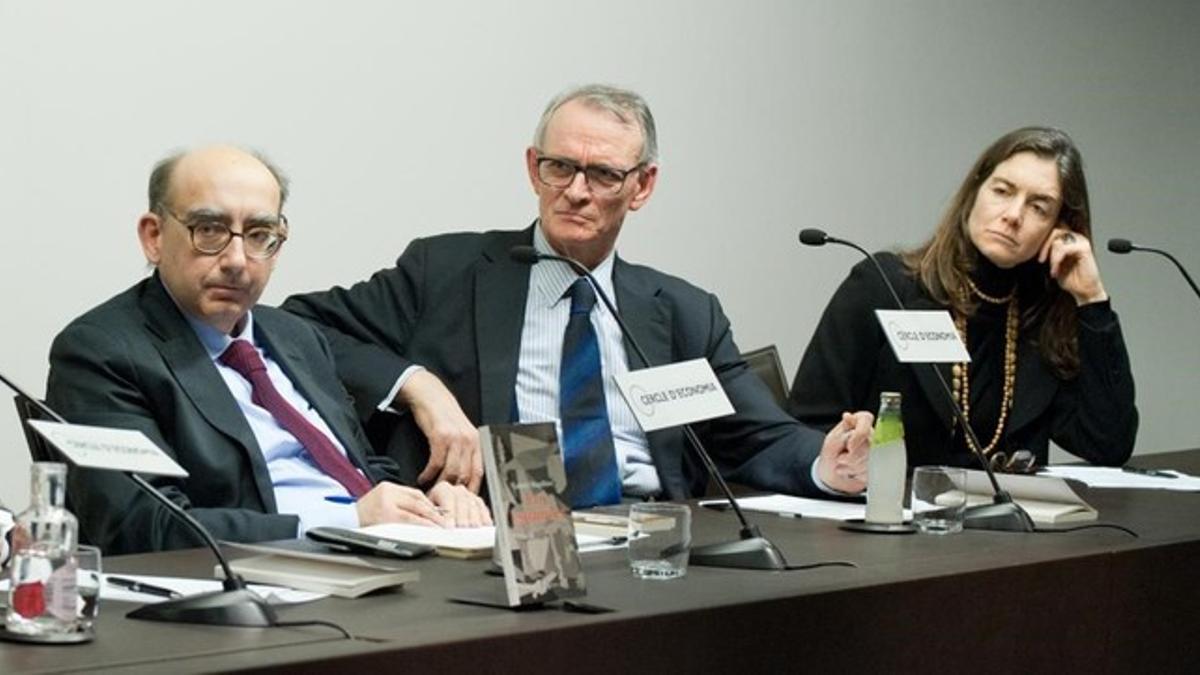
{"x":470,"y":538}
{"x":1107,"y":477}
{"x":467,"y":538}
{"x":275,"y":595}
{"x":785,"y":505}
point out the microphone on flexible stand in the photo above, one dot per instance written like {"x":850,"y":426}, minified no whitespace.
{"x":752,"y":550}
{"x":1123,"y":246}
{"x":1003,"y":513}
{"x":235,"y":605}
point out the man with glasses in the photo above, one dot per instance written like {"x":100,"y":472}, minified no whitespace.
{"x":244,"y":397}
{"x":515,"y":342}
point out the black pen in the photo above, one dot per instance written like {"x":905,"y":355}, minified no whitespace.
{"x":148,"y":589}
{"x":1157,"y":473}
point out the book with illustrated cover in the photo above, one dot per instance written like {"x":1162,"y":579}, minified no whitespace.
{"x":535,"y":535}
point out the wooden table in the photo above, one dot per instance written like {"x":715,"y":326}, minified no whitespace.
{"x":1087,"y":601}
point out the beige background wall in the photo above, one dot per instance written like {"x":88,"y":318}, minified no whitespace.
{"x":399,"y":119}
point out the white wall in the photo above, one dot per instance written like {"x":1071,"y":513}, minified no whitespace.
{"x":401,"y":119}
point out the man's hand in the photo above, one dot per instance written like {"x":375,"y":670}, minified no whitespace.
{"x":842,"y":465}
{"x":454,"y":455}
{"x":460,"y":506}
{"x":392,"y":503}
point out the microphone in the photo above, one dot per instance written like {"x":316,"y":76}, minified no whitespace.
{"x":235,"y":605}
{"x":1123,"y":246}
{"x":1003,"y":513}
{"x":752,"y":550}
{"x":528,"y":255}
{"x":813,"y":237}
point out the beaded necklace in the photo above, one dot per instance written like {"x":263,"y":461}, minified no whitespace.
{"x":959,"y":372}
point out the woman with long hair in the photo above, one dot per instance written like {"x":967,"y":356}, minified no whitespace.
{"x":1012,"y":261}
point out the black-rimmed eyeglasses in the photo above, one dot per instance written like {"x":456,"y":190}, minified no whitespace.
{"x":558,"y":172}
{"x":212,"y":232}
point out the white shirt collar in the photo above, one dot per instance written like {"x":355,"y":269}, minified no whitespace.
{"x":550,"y":280}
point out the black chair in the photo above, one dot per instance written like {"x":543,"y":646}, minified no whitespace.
{"x":765,"y":363}
{"x":39,"y":449}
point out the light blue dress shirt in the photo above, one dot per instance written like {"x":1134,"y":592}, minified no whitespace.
{"x":546,"y":316}
{"x":300,"y":485}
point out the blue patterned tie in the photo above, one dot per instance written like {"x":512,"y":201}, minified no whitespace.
{"x":588,"y":448}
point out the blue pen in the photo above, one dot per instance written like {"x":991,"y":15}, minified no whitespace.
{"x":340,"y":499}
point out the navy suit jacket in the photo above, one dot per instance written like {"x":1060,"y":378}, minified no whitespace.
{"x":135,"y":362}
{"x":455,"y":304}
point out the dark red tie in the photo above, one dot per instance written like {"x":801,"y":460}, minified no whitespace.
{"x":243,"y":357}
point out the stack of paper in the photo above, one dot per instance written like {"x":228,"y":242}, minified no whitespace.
{"x":1106,"y":477}
{"x":785,"y":505}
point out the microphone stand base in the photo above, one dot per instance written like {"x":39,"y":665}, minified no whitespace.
{"x":753,"y":553}
{"x":219,"y":608}
{"x":1003,"y":516}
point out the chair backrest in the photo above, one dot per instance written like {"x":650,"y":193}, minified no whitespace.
{"x":766,"y":364}
{"x":39,"y":449}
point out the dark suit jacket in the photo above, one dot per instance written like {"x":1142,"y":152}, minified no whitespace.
{"x":455,"y":304}
{"x":134,"y":362}
{"x":849,"y":362}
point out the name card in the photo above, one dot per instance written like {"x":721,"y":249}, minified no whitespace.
{"x":112,"y":449}
{"x":922,"y":336}
{"x":675,"y":394}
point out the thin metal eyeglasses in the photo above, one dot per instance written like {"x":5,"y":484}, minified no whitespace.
{"x":558,"y":172}
{"x":211,"y":234}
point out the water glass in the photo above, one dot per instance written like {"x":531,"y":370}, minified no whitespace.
{"x":88,"y":582}
{"x":938,"y":499}
{"x":660,"y":539}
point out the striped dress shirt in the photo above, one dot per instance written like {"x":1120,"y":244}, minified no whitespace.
{"x":546,"y":315}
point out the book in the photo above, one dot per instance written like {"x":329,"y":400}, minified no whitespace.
{"x":1047,"y":500}
{"x":612,"y":521}
{"x":465,"y":543}
{"x":602,"y":521}
{"x":302,"y":565}
{"x":535,"y":534}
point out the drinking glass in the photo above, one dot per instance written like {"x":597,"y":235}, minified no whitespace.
{"x":938,"y":499}
{"x":660,"y":539}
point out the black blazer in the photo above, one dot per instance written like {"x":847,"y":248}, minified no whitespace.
{"x":455,"y":304}
{"x":849,"y":362}
{"x":134,"y":362}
